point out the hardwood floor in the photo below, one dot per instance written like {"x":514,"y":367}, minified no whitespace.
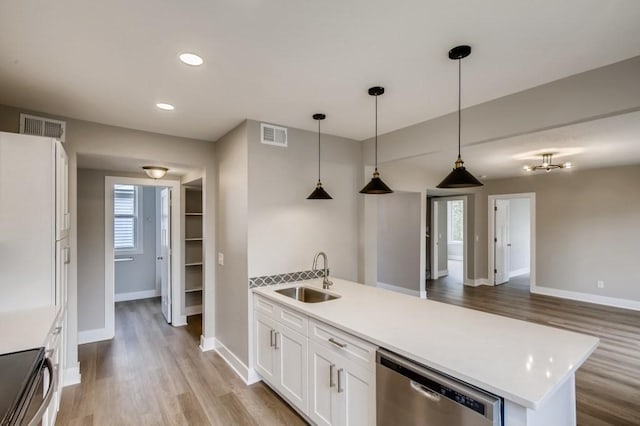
{"x":608,"y":384}
{"x":154,"y":374}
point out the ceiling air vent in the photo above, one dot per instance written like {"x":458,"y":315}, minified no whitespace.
{"x":273,"y":135}
{"x":42,"y":126}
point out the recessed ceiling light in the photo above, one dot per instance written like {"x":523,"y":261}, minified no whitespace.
{"x":191,"y":59}
{"x":166,"y":107}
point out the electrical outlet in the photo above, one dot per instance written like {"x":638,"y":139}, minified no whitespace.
{"x":220,"y":258}
{"x":600,"y":284}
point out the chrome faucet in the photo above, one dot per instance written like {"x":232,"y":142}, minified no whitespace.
{"x":326,"y":284}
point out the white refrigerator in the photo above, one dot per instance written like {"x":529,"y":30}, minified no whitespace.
{"x":34,"y":222}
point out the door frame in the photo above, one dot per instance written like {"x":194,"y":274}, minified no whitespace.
{"x":434,"y":237}
{"x":491,"y":232}
{"x":109,"y":251}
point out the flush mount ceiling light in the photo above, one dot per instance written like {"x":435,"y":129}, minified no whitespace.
{"x":191,"y":59}
{"x":155,"y":172}
{"x":376,"y":186}
{"x":319,"y":193}
{"x":165,"y":107}
{"x":547,"y":164}
{"x":459,"y":176}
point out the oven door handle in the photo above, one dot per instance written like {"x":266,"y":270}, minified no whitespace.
{"x":48,"y":396}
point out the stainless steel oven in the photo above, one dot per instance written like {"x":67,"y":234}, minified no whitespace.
{"x":410,"y":394}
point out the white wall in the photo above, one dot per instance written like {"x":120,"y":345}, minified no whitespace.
{"x":519,"y":235}
{"x":398,"y":240}
{"x":139,"y":274}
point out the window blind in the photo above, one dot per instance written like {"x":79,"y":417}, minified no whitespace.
{"x":124,"y":221}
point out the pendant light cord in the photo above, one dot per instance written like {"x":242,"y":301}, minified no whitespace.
{"x":318,"y":150}
{"x":376,"y":133}
{"x":459,"y":104}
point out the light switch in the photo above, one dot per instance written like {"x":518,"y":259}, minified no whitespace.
{"x":220,"y":258}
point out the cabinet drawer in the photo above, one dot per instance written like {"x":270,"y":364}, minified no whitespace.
{"x":265,"y":306}
{"x":289,"y":317}
{"x":351,"y":347}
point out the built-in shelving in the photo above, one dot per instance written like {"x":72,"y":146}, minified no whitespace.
{"x":193,"y":250}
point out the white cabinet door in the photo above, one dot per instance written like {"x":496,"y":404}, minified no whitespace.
{"x":356,"y":395}
{"x":265,"y":353}
{"x":63,"y":218}
{"x":323,"y":399}
{"x":291,"y":349}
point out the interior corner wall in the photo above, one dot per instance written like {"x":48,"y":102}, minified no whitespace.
{"x":231,"y":301}
{"x":399,"y":238}
{"x":285,"y":229}
{"x":587,"y":228}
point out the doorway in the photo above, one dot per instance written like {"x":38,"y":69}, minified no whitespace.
{"x":511,"y":238}
{"x":447,"y":238}
{"x":141,"y":254}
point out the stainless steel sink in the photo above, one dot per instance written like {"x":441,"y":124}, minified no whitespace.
{"x":306,"y":294}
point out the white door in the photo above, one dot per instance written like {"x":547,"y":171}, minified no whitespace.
{"x":355,"y":387}
{"x":264,"y":336}
{"x":501,"y":242}
{"x":322,"y":383}
{"x":291,"y":353}
{"x":165,"y":252}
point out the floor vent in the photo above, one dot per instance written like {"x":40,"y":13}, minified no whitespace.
{"x":273,"y":135}
{"x":42,"y":126}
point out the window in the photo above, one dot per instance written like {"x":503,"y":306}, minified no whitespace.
{"x":127,"y":234}
{"x":455,"y":222}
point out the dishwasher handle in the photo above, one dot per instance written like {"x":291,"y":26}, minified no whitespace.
{"x":427,"y":393}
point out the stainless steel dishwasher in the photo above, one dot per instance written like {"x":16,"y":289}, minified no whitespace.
{"x":411,"y":394}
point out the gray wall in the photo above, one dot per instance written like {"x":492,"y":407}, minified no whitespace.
{"x":286,"y":229}
{"x":140,"y":273}
{"x":231,"y":153}
{"x":398,"y":241}
{"x":587,"y":228}
{"x":520,"y":233}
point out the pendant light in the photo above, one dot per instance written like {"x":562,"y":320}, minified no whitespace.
{"x":319,"y":193}
{"x":376,"y":186}
{"x":459,"y":176}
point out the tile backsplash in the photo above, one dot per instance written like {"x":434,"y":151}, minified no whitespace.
{"x":284,"y":278}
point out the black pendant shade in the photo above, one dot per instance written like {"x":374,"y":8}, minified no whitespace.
{"x":376,"y":186}
{"x":459,"y":176}
{"x":319,"y":193}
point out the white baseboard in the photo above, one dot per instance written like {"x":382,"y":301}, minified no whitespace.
{"x":180,"y":321}
{"x":207,"y":343}
{"x":96,"y":335}
{"x":136,"y":295}
{"x":443,"y":273}
{"x":517,"y":272}
{"x":402,"y":290}
{"x":477,"y":282}
{"x":248,"y":375}
{"x":423,"y":294}
{"x":71,"y":375}
{"x":587,"y":297}
{"x":456,"y":258}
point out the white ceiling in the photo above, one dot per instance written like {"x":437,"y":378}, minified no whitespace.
{"x":612,"y":141}
{"x":282,"y":60}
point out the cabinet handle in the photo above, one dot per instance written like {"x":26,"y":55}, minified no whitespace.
{"x":271,"y":338}
{"x":57,"y":331}
{"x":276,"y":340}
{"x":331,"y":383}
{"x":340,"y":388}
{"x":339,"y":344}
{"x":48,"y":353}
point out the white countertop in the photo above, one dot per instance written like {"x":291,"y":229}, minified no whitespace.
{"x":26,"y":329}
{"x":521,"y":361}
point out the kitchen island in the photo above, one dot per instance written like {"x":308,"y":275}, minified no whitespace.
{"x":530,"y":366}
